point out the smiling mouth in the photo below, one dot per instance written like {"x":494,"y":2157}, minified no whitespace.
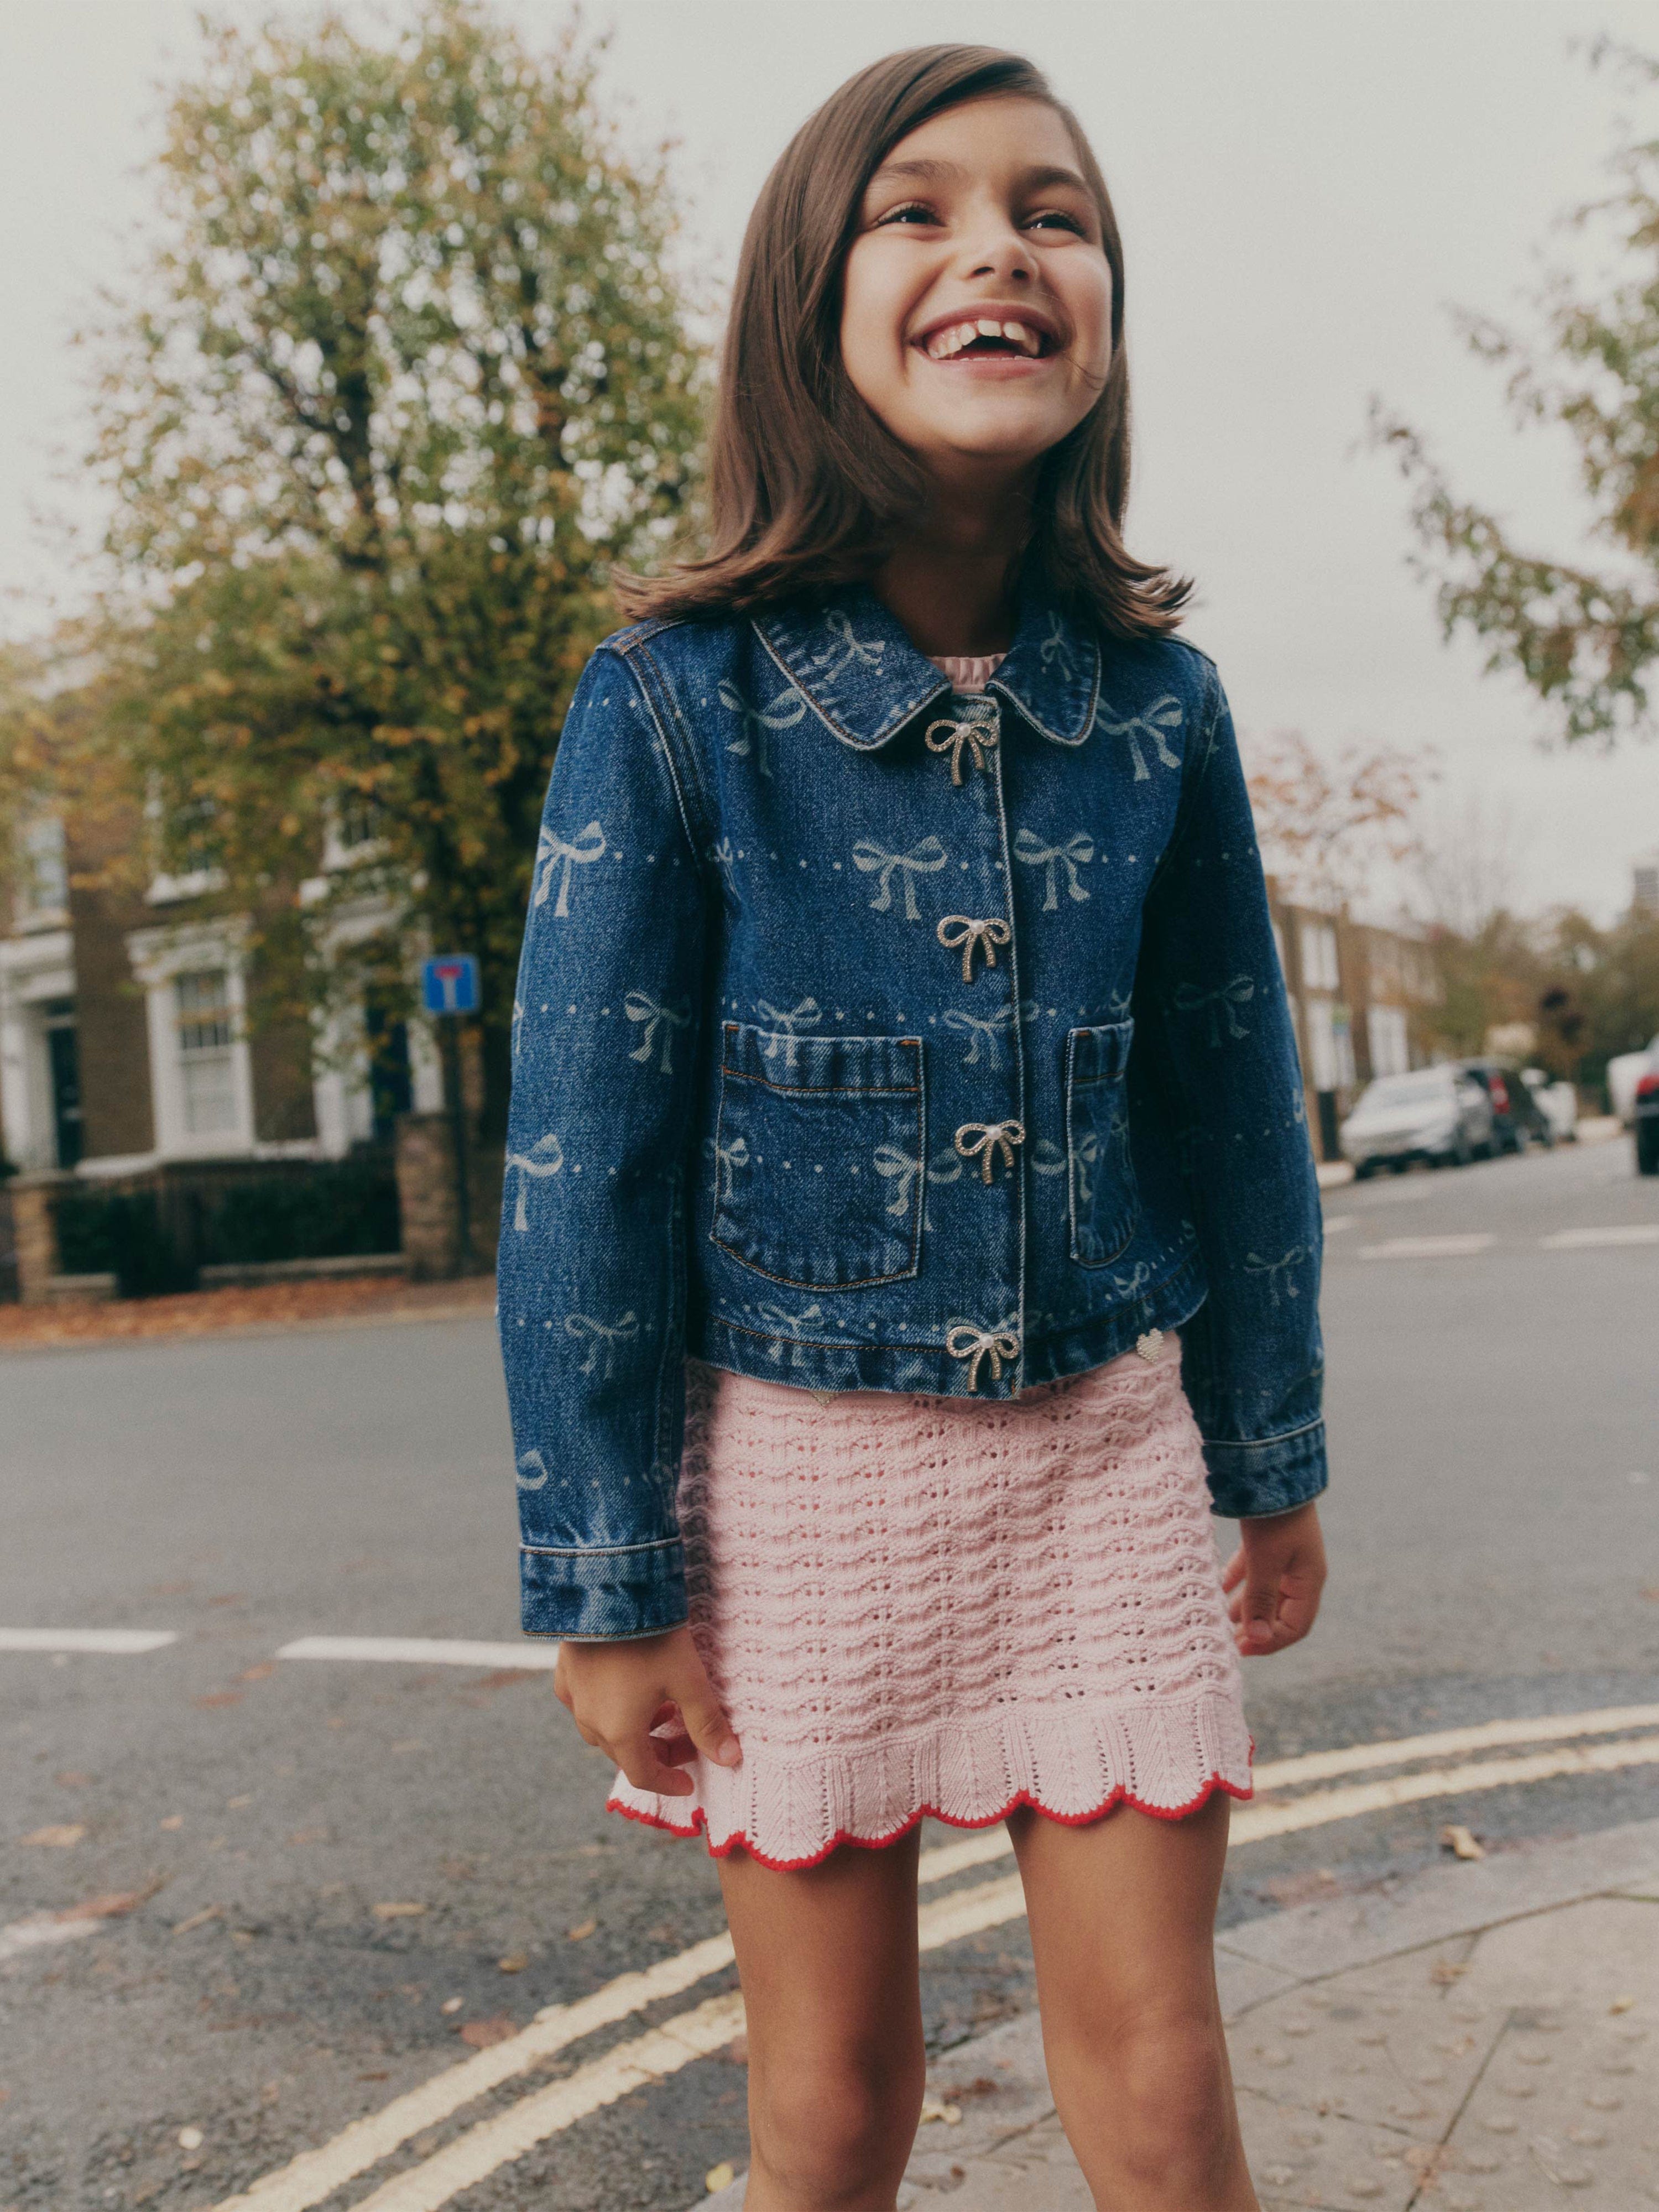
{"x":973,"y":337}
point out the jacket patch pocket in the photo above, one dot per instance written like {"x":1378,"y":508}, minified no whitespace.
{"x":1104,"y":1201}
{"x":818,"y":1153}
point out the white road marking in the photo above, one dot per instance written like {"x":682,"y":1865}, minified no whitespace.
{"x":1581,"y":1240}
{"x":316,"y":2174}
{"x":423,"y":1652}
{"x":1342,"y":1221}
{"x":127,"y":1640}
{"x":1428,"y":1247}
{"x":42,"y":1928}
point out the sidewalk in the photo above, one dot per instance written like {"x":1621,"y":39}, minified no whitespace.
{"x":1483,"y":2039}
{"x":341,"y":1301}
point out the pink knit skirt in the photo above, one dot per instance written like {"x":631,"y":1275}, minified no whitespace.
{"x":916,"y":1605}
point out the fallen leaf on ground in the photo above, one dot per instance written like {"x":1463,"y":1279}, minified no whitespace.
{"x":173,"y":1821}
{"x":71,"y":1778}
{"x":1461,"y":1843}
{"x":200,"y":1919}
{"x":1445,"y":1971}
{"x":260,"y":1673}
{"x":190,"y":2139}
{"x":59,"y":1838}
{"x":308,"y":1835}
{"x":482,"y":2034}
{"x":504,"y":1677}
{"x":720,"y":2177}
{"x":450,"y":2004}
{"x":582,"y":1929}
{"x":398,"y":1911}
{"x":932,"y":2109}
{"x":514,"y":1965}
{"x":1622,"y":2004}
{"x":111,"y":1905}
{"x":236,"y":1804}
{"x":218,"y":1698}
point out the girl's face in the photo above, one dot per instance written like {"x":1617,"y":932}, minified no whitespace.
{"x":976,"y":298}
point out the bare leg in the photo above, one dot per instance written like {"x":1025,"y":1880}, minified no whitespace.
{"x":827,"y":1958}
{"x":1122,"y":1916}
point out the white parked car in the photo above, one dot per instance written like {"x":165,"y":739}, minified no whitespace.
{"x":1624,"y":1073}
{"x":1438,"y":1115}
{"x":1560,"y":1102}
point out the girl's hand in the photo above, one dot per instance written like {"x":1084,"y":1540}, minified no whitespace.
{"x":618,"y":1692}
{"x":1275,"y":1577}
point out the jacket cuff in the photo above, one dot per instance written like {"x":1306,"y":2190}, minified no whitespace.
{"x":606,"y":1591}
{"x":1246,"y":1479}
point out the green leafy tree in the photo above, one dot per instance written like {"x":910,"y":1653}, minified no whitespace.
{"x":1583,"y":635}
{"x":406,"y":370}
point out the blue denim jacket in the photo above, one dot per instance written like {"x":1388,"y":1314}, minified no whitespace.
{"x":874,"y":1037}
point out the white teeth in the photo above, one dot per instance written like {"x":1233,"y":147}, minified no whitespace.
{"x":944,"y":344}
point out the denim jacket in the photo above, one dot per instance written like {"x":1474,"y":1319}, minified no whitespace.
{"x":870,"y":1036}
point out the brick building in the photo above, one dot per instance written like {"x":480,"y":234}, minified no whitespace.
{"x":1355,"y":990}
{"x":124,"y":1045}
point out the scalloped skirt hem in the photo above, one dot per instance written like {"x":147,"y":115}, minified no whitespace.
{"x":790,"y":1818}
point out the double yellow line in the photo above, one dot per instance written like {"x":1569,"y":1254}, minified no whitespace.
{"x":707,"y":2027}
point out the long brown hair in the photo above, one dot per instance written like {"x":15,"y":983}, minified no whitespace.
{"x":806,"y":489}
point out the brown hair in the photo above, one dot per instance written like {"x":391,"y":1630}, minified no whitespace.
{"x":807,"y":487}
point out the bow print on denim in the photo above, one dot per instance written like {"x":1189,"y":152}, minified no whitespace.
{"x":1272,"y":1269}
{"x":805,"y":1016}
{"x":1078,"y":849}
{"x":1054,"y":650}
{"x":544,"y":1157}
{"x":1165,"y":713}
{"x":923,"y":859}
{"x":779,"y":714}
{"x":605,"y":1334}
{"x":729,"y":1156}
{"x":641,"y":1007}
{"x":847,"y":648}
{"x":554,"y":852}
{"x":989,"y":1031}
{"x":1222,"y":1000}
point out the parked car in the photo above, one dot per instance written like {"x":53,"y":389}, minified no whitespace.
{"x":1645,"y":1116}
{"x":1518,"y":1119}
{"x":1624,"y":1071}
{"x":1558,"y":1100}
{"x":1437,"y":1115}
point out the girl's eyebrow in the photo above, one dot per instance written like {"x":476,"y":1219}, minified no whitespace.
{"x":923,"y":171}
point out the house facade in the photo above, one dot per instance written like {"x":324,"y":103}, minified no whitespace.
{"x":124,"y":1043}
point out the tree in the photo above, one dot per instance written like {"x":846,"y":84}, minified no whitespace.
{"x":1325,"y":828}
{"x":407,"y":371}
{"x":1584,"y":637}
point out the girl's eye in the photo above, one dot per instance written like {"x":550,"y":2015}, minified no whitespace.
{"x":912,"y":211}
{"x":1058,"y":216}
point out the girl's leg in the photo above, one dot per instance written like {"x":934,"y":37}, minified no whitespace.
{"x":827,"y":1958}
{"x":1122,"y":1916}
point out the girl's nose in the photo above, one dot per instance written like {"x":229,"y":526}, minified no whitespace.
{"x":997,"y":250}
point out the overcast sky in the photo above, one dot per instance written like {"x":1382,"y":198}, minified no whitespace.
{"x":1303,"y":190}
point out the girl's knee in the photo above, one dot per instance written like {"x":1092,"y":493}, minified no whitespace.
{"x":1160,"y":2079}
{"x":834,"y":2136}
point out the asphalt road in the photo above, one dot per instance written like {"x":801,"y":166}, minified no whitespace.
{"x":1494,"y":1530}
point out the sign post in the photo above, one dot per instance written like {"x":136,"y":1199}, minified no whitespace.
{"x":449,"y":986}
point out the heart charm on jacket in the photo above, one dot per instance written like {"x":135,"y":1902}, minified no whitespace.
{"x":1151,"y":1344}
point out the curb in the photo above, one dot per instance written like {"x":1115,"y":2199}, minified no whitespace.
{"x":997,"y":2084}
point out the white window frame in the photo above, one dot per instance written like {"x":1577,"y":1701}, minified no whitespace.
{"x":1388,"y":1038}
{"x":1319,"y":969}
{"x":34,"y":972}
{"x":159,"y":956}
{"x":28,"y":912}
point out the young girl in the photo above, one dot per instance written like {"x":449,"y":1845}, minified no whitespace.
{"x":910,"y":1204}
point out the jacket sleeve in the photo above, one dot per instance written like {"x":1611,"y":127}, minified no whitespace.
{"x":591,"y":1275}
{"x":1212,"y":988}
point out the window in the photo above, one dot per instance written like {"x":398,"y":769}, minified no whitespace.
{"x":43,"y":872}
{"x":1330,"y":1045}
{"x":361,"y":821}
{"x":1319,"y":969}
{"x":1385,"y":1033}
{"x":207,"y":1072}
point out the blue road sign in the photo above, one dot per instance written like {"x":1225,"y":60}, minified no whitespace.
{"x":449,"y":984}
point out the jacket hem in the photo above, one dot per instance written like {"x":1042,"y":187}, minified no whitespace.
{"x":1248,"y":1480}
{"x":927,"y":1369}
{"x":610,"y":1592}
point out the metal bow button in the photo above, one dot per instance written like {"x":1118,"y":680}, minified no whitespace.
{"x":970,"y":932}
{"x":977,"y":732}
{"x":984,"y":1139}
{"x":963,"y":1340}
